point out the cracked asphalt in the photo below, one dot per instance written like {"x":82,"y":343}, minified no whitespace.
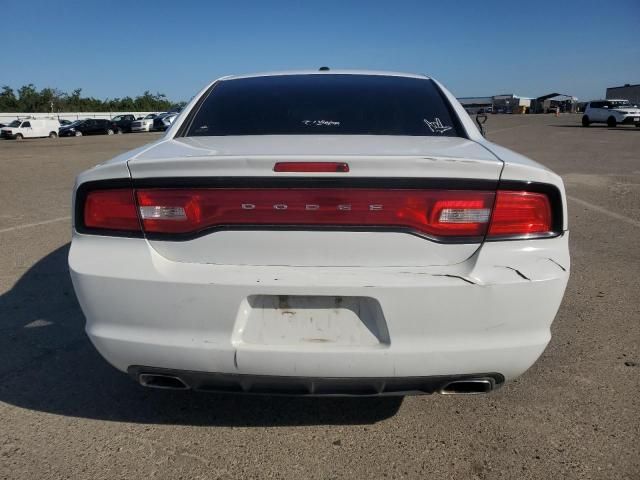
{"x":65,"y":413}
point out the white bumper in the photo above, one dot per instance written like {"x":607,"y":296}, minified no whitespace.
{"x":490,"y":313}
{"x":629,"y":118}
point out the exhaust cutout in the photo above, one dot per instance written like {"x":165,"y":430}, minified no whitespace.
{"x":471,"y":386}
{"x":164,"y":382}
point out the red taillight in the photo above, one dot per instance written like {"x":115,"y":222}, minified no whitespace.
{"x":520,"y":213}
{"x":435,"y":213}
{"x":430,"y":212}
{"x":111,"y":210}
{"x":312,"y":167}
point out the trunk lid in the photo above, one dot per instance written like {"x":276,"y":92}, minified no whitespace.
{"x":382,"y":159}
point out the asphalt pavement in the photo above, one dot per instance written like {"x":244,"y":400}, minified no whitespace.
{"x":65,"y":413}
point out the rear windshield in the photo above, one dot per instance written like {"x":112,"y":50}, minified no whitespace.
{"x":324,"y":104}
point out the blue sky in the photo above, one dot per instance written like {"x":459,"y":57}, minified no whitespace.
{"x":118,"y":48}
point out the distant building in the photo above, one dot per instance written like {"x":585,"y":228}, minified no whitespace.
{"x":626,"y":92}
{"x":477,"y":104}
{"x":508,"y":103}
{"x":555,"y":102}
{"x":511,"y":103}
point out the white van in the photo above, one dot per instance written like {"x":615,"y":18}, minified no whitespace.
{"x":31,"y":128}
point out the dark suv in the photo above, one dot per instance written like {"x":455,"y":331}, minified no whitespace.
{"x":89,"y":126}
{"x":122,"y":123}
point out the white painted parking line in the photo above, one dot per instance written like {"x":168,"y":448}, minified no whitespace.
{"x":604,"y":211}
{"x":37,"y":224}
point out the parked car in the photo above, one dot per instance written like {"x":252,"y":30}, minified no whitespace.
{"x":64,"y":123}
{"x":144,"y":124}
{"x":163,"y":122}
{"x":611,"y":112}
{"x":290,"y":237}
{"x":122,"y":123}
{"x":31,"y":128}
{"x":88,"y":126}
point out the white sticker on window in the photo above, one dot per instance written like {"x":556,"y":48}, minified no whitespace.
{"x":436,"y":126}
{"x":321,"y":123}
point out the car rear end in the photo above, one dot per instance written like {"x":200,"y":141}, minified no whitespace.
{"x":138,"y":126}
{"x":66,"y":131}
{"x":157,"y":124}
{"x":331,"y":255}
{"x":628,"y":116}
{"x":167,"y":121}
{"x":8,"y":133}
{"x":119,"y":125}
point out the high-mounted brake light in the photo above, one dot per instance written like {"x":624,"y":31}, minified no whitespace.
{"x":311,"y":167}
{"x":111,"y":210}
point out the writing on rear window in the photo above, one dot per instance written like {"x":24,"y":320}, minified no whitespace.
{"x":321,"y":123}
{"x":320,"y":104}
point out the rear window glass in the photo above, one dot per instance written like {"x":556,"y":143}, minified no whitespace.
{"x":324,"y":104}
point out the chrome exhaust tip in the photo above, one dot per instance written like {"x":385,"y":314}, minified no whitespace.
{"x":471,"y":386}
{"x":164,"y":382}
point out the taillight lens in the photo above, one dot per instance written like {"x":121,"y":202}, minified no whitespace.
{"x":111,"y":210}
{"x":520,"y":213}
{"x":435,"y":213}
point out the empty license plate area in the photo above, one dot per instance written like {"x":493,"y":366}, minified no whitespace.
{"x":320,"y":321}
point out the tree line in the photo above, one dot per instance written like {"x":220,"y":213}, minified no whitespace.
{"x":28,"y":99}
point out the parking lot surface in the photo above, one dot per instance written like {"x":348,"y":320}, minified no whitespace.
{"x":65,"y":413}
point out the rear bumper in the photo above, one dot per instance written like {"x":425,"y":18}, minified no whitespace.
{"x":630,"y":120}
{"x":309,"y":386}
{"x":491,"y":313}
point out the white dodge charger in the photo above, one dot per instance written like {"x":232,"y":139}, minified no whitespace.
{"x":321,"y":233}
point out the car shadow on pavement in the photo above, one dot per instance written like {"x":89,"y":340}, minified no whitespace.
{"x":48,"y":364}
